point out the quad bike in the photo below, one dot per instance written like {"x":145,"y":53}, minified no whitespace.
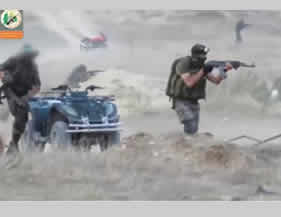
{"x":71,"y":119}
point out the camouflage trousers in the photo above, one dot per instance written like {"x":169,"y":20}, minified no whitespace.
{"x":188,"y":113}
{"x":20,"y":114}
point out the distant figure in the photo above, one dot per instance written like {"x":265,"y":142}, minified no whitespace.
{"x":80,"y":74}
{"x":240,"y":25}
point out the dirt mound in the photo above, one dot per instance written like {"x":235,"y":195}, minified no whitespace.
{"x":139,"y":138}
{"x":202,"y":152}
{"x":222,"y":156}
{"x":141,"y":143}
{"x":208,"y":153}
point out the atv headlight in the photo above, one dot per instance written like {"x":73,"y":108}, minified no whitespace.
{"x":69,"y":110}
{"x":109,"y":109}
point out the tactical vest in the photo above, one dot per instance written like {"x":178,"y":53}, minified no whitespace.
{"x":176,"y":88}
{"x":23,"y":77}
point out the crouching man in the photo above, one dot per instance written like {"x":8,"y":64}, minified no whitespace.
{"x":187,"y":85}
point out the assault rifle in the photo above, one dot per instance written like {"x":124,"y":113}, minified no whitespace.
{"x":210,"y":65}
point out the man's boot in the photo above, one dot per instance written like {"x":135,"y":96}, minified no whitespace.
{"x":13,"y":156}
{"x":13,"y":148}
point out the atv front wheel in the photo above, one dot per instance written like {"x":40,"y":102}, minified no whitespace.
{"x":59,"y":139}
{"x":114,"y":138}
{"x":107,"y":140}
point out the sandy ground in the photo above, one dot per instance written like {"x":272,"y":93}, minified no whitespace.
{"x":155,"y":163}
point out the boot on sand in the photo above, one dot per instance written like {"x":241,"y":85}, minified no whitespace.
{"x":13,"y":148}
{"x":13,"y":157}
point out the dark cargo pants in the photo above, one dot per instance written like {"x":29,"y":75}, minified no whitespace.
{"x":188,"y":113}
{"x":20,"y":114}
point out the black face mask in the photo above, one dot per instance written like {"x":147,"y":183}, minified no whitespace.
{"x":199,"y":60}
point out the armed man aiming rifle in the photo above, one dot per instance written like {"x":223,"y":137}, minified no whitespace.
{"x":187,"y":84}
{"x":21,"y":81}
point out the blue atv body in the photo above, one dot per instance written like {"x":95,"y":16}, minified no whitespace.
{"x":72,"y":119}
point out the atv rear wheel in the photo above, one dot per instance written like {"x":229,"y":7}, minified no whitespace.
{"x":102,"y":141}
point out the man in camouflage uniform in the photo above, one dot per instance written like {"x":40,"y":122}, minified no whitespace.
{"x":20,"y":78}
{"x":187,"y":85}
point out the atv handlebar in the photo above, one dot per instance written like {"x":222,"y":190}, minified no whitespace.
{"x":63,"y":87}
{"x":93,"y":87}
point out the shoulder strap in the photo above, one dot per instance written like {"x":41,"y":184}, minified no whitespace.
{"x":172,"y":73}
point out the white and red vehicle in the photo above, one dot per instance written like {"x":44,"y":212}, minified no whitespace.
{"x":98,"y":41}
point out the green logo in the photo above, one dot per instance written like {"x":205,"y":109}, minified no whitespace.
{"x":11,"y":19}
